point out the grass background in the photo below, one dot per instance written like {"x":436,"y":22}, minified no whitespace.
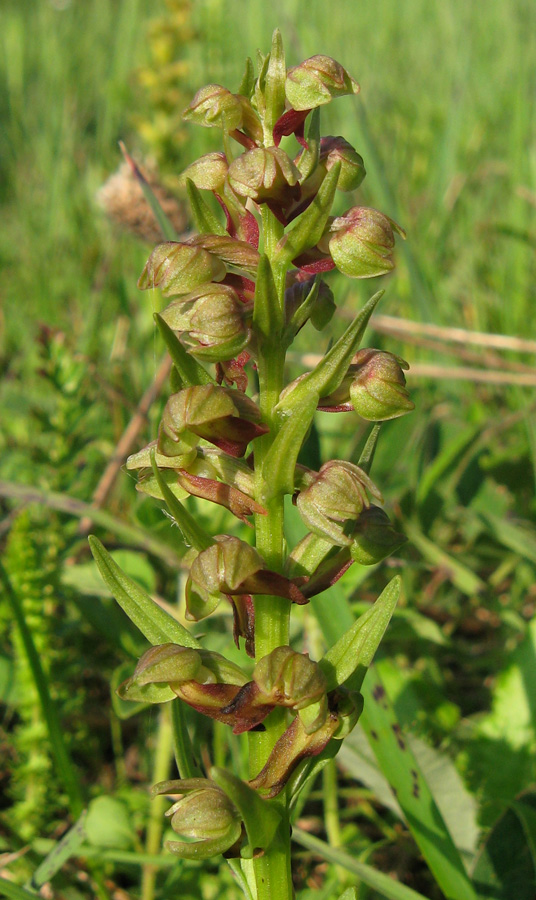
{"x":446,"y":124}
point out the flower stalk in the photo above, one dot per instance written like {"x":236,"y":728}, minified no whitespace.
{"x":240,"y":290}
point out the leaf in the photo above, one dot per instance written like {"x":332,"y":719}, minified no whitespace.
{"x":14,"y":892}
{"x":274,"y":91}
{"x":267,"y":311}
{"x":109,"y":824}
{"x":309,"y":227}
{"x":190,"y":371}
{"x":384,"y":884}
{"x":193,"y":534}
{"x":64,"y":764}
{"x":62,"y":851}
{"x":247,"y":85}
{"x":157,"y":626}
{"x":353,"y":653}
{"x":280,"y":463}
{"x":462,"y":577}
{"x":330,"y":371}
{"x":204,"y":219}
{"x":261,"y":818}
{"x":398,"y":764}
{"x":367,"y":454}
{"x":516,"y":537}
{"x":506,"y":866}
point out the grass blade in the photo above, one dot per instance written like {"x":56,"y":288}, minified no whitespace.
{"x":66,"y":771}
{"x":384,"y":884}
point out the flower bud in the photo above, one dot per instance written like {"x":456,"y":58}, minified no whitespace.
{"x":213,"y":319}
{"x":208,"y":173}
{"x":362,"y":242}
{"x":177,"y":268}
{"x":204,"y":815}
{"x":378,"y":388}
{"x":288,"y":678}
{"x":334,"y":499}
{"x":232,"y":567}
{"x":317,"y":81}
{"x":336,"y":149}
{"x":215,"y":106}
{"x":374,"y":537}
{"x":225,"y":417}
{"x":265,"y":175}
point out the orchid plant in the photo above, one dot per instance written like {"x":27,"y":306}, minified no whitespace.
{"x":239,"y":290}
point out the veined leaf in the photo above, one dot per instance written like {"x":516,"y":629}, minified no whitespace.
{"x":353,"y":653}
{"x":329,"y":372}
{"x":67,"y":847}
{"x":267,"y":312}
{"x":157,"y":626}
{"x":280,"y":462}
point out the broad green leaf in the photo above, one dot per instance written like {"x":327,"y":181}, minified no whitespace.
{"x":329,"y":372}
{"x":512,"y":717}
{"x":261,"y":818}
{"x":398,"y":764}
{"x":109,"y":824}
{"x":205,"y":220}
{"x":166,"y":227}
{"x":193,"y":534}
{"x":353,"y":653}
{"x":280,"y":462}
{"x":157,"y":626}
{"x":309,"y":227}
{"x":190,"y":371}
{"x":384,"y":884}
{"x":62,"y":851}
{"x":506,"y":865}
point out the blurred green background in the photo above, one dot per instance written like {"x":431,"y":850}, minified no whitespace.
{"x":446,"y":124}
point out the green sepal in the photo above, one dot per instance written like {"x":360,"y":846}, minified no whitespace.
{"x":204,"y":219}
{"x":310,"y":226}
{"x":267,"y":312}
{"x":166,"y":227}
{"x":367,"y":454}
{"x":328,"y":374}
{"x":280,"y":462}
{"x":309,"y":769}
{"x":276,"y":74}
{"x":190,"y":371}
{"x":261,"y":819}
{"x":247,"y":85}
{"x":157,"y":626}
{"x":308,"y":160}
{"x":353,"y":653}
{"x":193,"y":534}
{"x":204,"y":849}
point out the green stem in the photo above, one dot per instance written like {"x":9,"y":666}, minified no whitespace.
{"x":163,"y":755}
{"x":272,"y":871}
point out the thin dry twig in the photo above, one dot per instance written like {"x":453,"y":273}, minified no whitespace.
{"x":394,"y":325}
